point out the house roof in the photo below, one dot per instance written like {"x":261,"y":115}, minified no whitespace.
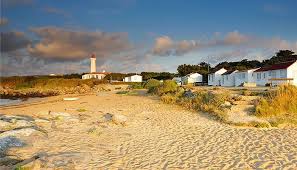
{"x":192,"y":73}
{"x":278,"y":66}
{"x":215,"y":70}
{"x":229,"y":72}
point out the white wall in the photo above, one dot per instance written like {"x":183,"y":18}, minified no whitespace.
{"x":95,"y":76}
{"x":192,"y":78}
{"x":134,"y":78}
{"x":244,"y":77}
{"x":93,"y":65}
{"x":262,"y":78}
{"x":215,"y":79}
{"x":228,"y":80}
{"x":292,"y":73}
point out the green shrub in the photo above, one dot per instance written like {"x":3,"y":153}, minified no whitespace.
{"x":151,"y":85}
{"x":168,"y":86}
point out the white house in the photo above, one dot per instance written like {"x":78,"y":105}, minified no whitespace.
{"x":93,"y":73}
{"x":192,"y":78}
{"x":214,"y":78}
{"x":245,"y":78}
{"x":96,"y":75}
{"x":134,"y":78}
{"x":277,"y":74}
{"x":228,"y":78}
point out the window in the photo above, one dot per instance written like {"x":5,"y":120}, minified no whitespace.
{"x":283,"y":73}
{"x":227,"y":77}
{"x":273,"y":74}
{"x":269,"y":73}
{"x":258,"y":76}
{"x":209,"y":77}
{"x":264,"y":75}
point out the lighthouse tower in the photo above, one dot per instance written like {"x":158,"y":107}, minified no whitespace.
{"x":93,"y":63}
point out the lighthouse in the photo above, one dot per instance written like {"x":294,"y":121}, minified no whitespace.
{"x":93,"y":73}
{"x":93,"y":63}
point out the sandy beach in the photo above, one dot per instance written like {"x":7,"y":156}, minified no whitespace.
{"x":154,"y":136}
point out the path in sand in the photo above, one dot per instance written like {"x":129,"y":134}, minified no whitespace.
{"x":159,"y":136}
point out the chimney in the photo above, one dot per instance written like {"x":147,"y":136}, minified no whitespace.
{"x":93,"y":63}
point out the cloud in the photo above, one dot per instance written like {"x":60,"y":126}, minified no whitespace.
{"x":165,"y":46}
{"x":3,"y":21}
{"x":61,"y":44}
{"x":11,"y":41}
{"x":56,"y":11}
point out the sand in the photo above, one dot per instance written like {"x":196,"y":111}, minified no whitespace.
{"x":155,"y":136}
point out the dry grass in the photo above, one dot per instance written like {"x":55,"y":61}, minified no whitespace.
{"x":279,"y":106}
{"x":209,"y":102}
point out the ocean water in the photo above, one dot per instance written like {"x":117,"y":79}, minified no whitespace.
{"x":9,"y":101}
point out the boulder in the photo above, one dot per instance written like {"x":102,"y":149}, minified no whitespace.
{"x":9,"y":141}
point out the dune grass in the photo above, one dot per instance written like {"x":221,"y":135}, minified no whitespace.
{"x":200,"y":100}
{"x":279,"y":106}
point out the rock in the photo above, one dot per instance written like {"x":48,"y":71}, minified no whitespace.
{"x":119,"y":119}
{"x":9,"y":141}
{"x":189,"y":94}
{"x":61,"y":116}
{"x":18,"y":132}
{"x":9,"y":122}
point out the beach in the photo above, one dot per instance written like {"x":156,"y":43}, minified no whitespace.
{"x":153,"y":135}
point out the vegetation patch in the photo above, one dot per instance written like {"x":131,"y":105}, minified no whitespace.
{"x":81,"y":110}
{"x":209,"y":102}
{"x":279,"y":106}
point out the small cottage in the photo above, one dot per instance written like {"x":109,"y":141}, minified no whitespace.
{"x":192,"y":78}
{"x":133,"y":78}
{"x":245,"y":78}
{"x":277,"y":74}
{"x":214,"y":78}
{"x":228,"y":78}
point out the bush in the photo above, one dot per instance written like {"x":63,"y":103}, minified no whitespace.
{"x":168,"y":86}
{"x":152,"y":84}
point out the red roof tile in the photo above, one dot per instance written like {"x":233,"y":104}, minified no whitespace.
{"x":278,"y":66}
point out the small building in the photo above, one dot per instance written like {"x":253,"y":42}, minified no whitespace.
{"x":134,"y":78}
{"x":228,"y":78}
{"x":214,"y":78}
{"x":95,"y":75}
{"x":245,"y":78}
{"x":192,"y":78}
{"x":277,"y":74}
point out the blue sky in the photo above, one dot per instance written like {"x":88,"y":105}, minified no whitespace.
{"x":142,"y":35}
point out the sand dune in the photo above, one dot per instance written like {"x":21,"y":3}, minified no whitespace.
{"x":156,"y":136}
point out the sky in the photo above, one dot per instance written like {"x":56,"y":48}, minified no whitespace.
{"x":58,"y":36}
